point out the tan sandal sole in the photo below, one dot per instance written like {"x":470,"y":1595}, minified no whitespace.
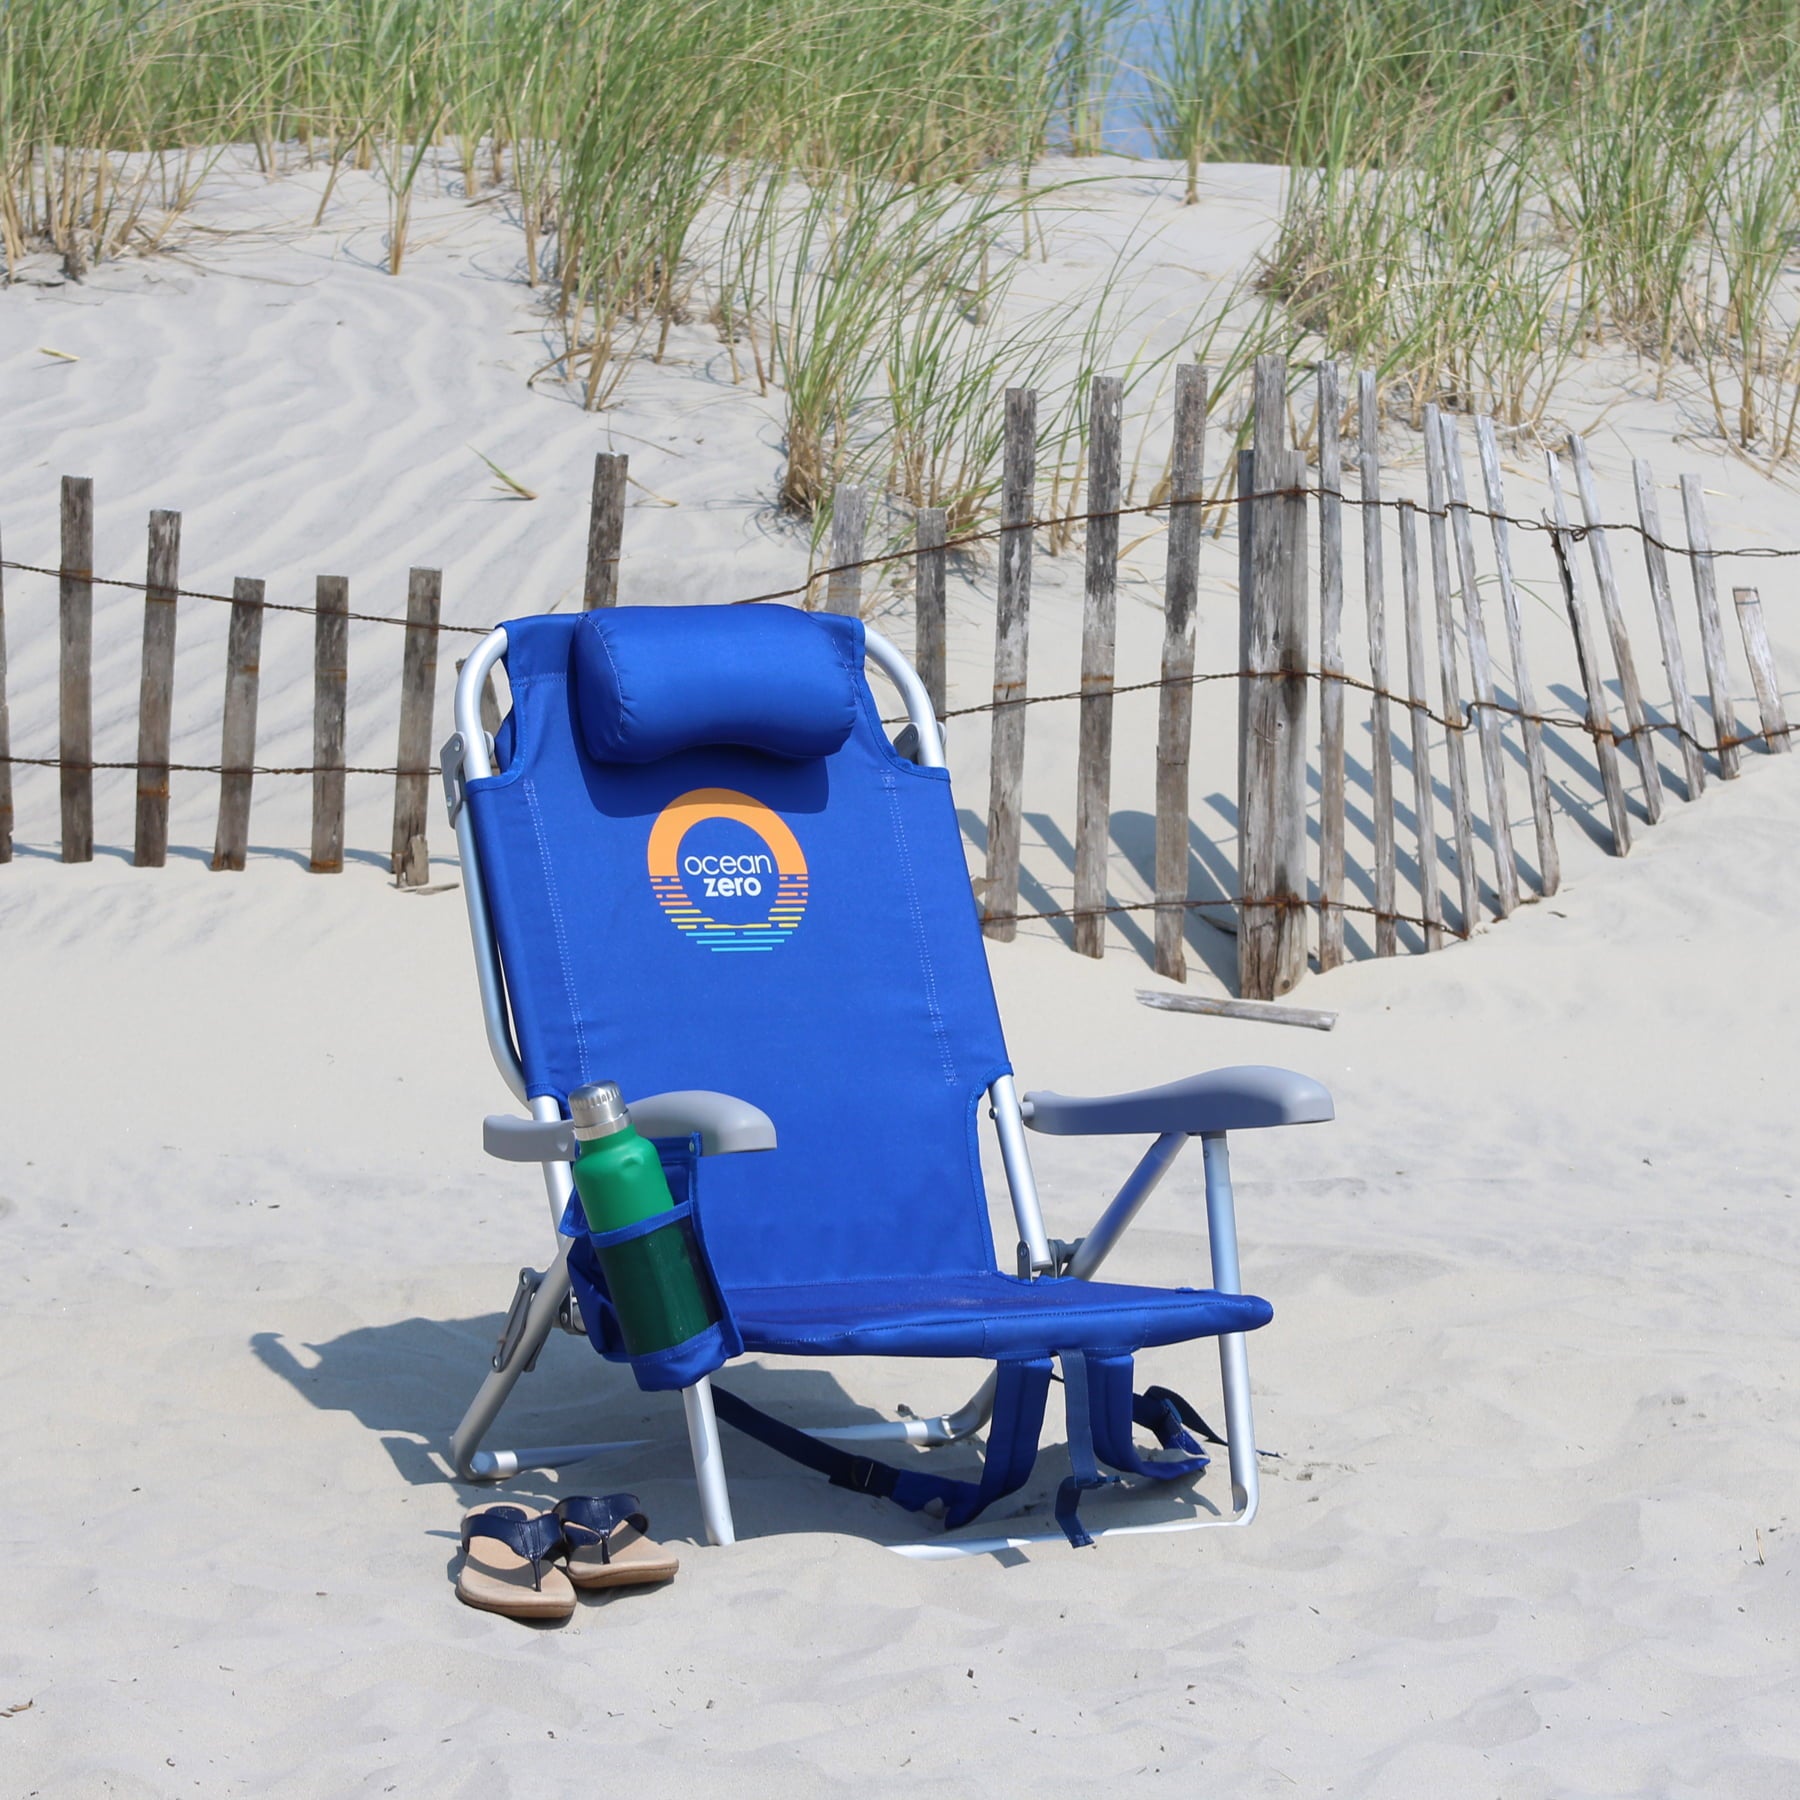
{"x":637,"y":1561}
{"x":496,"y":1579}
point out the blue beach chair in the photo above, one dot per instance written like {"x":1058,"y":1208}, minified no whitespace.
{"x":696,"y":865}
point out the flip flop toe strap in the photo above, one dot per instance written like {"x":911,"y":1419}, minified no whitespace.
{"x":535,"y":1536}
{"x":588,"y":1520}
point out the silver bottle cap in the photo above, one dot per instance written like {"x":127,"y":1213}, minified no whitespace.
{"x":598,"y":1110}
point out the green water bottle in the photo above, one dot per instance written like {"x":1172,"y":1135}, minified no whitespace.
{"x":656,"y":1287}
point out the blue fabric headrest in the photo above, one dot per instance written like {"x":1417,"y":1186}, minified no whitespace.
{"x":651,"y":680}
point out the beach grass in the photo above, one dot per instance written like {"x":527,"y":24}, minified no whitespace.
{"x":1479,"y":192}
{"x":1483,"y":191}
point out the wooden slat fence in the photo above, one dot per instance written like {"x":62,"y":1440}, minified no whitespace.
{"x":1273,"y":505}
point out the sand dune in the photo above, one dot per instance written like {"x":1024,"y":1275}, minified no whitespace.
{"x":1532,"y":1377}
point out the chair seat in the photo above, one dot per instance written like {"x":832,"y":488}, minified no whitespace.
{"x":982,"y":1315}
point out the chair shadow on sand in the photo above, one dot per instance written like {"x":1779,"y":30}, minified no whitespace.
{"x":408,"y":1382}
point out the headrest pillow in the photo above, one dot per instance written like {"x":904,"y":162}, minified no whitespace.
{"x":651,"y":680}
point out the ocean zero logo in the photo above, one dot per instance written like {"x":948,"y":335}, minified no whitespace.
{"x":727,"y":870}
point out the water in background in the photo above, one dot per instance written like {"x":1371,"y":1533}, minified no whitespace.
{"x":1126,"y":125}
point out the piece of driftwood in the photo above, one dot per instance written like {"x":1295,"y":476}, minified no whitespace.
{"x":1099,"y":618}
{"x":6,"y":768}
{"x":1175,"y":700}
{"x":1327,"y":414}
{"x":849,"y":518}
{"x":75,"y":647}
{"x":237,"y":746}
{"x":606,"y":531}
{"x":1606,"y":751}
{"x":1712,"y":631}
{"x":1762,"y":669}
{"x":1462,"y":828}
{"x":156,"y":690}
{"x":1431,"y":904}
{"x":1481,"y":667}
{"x":1012,"y":632}
{"x":930,"y":572}
{"x":1259,"y":1012}
{"x":1662,"y":599}
{"x":1531,"y":729}
{"x":1643,"y":741}
{"x":331,"y":675}
{"x":1381,"y":741}
{"x":418,"y":687}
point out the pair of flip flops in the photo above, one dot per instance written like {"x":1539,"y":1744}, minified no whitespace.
{"x":510,"y":1554}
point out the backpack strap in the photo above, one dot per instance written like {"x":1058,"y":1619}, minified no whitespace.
{"x":1102,"y":1410}
{"x":1019,"y":1394}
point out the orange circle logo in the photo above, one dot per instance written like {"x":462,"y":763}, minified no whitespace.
{"x":727,"y":871}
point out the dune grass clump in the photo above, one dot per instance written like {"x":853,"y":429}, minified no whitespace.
{"x":1483,"y":191}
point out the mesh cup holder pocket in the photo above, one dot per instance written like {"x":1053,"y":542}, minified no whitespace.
{"x":669,"y":1302}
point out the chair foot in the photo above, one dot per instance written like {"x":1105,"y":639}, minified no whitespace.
{"x":709,"y":1462}
{"x":946,"y":1428}
{"x":519,"y":1350}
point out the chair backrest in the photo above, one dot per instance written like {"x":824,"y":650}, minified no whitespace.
{"x":794,"y":928}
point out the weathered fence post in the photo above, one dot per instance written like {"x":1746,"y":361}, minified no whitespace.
{"x":1328,"y":411}
{"x":156,"y":690}
{"x":1437,"y":526}
{"x":6,"y":768}
{"x":418,"y":687}
{"x":1656,"y":563}
{"x":331,"y":673}
{"x":1012,"y":625}
{"x":1272,"y":826}
{"x":1431,"y":903}
{"x":1643,"y":744}
{"x":1246,"y":525}
{"x":75,"y":646}
{"x":843,"y":586}
{"x":1762,"y":669}
{"x":1381,"y":741}
{"x":1606,"y":749}
{"x":930,"y":569}
{"x":1093,"y":796}
{"x":1175,"y":699}
{"x":1712,"y":632}
{"x":1549,"y":862}
{"x":237,"y":749}
{"x":606,"y":532}
{"x":1481,"y":668}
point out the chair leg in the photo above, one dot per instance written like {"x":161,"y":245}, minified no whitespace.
{"x":1234,"y":1358}
{"x":1240,"y":1432}
{"x":946,"y":1428}
{"x":709,"y":1462}
{"x":466,"y":1456}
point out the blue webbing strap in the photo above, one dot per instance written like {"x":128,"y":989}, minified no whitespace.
{"x":1019,"y":1392}
{"x":1114,"y":1409}
{"x":1165,"y":1412}
{"x":1102,"y":1410}
{"x":1084,"y":1470}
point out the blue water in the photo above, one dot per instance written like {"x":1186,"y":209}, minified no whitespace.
{"x":1126,"y":129}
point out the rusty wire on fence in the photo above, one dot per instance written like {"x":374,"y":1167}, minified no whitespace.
{"x":1466,"y":722}
{"x":1570,"y":533}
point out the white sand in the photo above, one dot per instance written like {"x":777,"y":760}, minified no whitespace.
{"x":1532,"y":1373}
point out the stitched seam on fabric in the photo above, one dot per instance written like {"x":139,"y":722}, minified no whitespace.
{"x":556,"y":921}
{"x":612,"y":662}
{"x":918,"y":918}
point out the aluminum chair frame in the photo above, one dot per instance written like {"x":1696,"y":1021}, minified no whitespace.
{"x":542,"y":1300}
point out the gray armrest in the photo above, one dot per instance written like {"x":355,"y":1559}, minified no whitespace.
{"x":726,"y":1126}
{"x":1220,"y":1100}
